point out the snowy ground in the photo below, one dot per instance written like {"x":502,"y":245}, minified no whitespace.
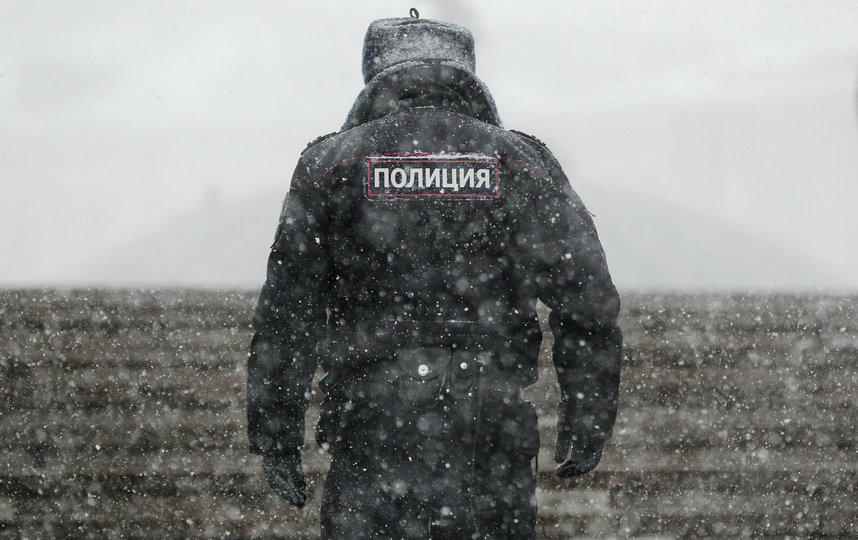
{"x":123,"y":414}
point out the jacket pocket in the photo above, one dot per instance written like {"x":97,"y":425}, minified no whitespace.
{"x":423,"y":374}
{"x":518,"y":432}
{"x":530,"y":431}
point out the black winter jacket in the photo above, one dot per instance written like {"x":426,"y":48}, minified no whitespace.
{"x":366,"y":259}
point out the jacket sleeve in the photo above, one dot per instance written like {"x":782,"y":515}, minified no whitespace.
{"x":571,"y":277}
{"x":288,"y":322}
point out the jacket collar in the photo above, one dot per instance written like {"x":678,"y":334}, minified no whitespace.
{"x":442,"y":85}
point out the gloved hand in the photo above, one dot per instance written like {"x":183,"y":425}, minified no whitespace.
{"x":577,"y":466}
{"x":285,"y":475}
{"x":574,"y":459}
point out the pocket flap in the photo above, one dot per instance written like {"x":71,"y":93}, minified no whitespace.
{"x":424,"y":363}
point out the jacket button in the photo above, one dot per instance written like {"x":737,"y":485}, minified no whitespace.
{"x":423,"y":370}
{"x":463,"y":365}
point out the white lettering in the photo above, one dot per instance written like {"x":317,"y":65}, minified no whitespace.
{"x":449,"y":182}
{"x":378,"y":173}
{"x":433,"y":177}
{"x":483,"y":178}
{"x":466,"y":176}
{"x":400,"y":181}
{"x":416,"y":173}
{"x":438,"y":177}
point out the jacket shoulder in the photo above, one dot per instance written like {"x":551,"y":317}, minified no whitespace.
{"x":318,"y":139}
{"x":530,"y":138}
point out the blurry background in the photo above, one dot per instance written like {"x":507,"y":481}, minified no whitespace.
{"x":151,"y":143}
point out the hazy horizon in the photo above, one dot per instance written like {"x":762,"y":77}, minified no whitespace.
{"x":121,"y":119}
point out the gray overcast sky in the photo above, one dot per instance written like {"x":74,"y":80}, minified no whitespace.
{"x":119,"y":118}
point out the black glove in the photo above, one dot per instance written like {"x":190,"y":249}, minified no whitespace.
{"x":285,"y":475}
{"x":576,"y":467}
{"x":575,"y":459}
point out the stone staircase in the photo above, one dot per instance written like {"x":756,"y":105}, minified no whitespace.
{"x":122,"y":415}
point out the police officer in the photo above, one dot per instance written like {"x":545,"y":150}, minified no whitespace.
{"x":411,"y":251}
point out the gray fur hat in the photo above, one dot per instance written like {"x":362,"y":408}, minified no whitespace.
{"x":389,"y":42}
{"x":396,"y":46}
